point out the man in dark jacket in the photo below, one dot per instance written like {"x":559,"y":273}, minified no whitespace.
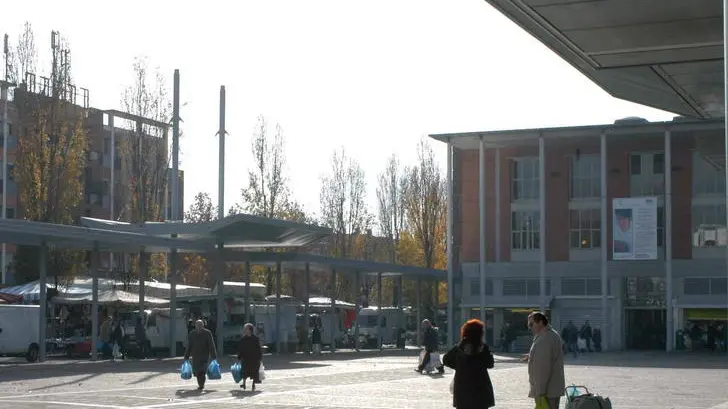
{"x":431,"y":345}
{"x":200,"y":347}
{"x":586,"y":333}
{"x":140,"y":334}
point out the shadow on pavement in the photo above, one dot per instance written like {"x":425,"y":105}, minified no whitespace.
{"x":151,"y":368}
{"x":242,"y":394}
{"x":640,"y":359}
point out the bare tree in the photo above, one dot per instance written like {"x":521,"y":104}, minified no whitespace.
{"x":267,"y":193}
{"x":343,"y":203}
{"x":144,"y":149}
{"x":24,"y":57}
{"x":391,"y":205}
{"x":425,"y":201}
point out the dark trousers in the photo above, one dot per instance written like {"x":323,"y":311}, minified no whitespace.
{"x":588,"y":344}
{"x":200,"y":375}
{"x":144,"y":349}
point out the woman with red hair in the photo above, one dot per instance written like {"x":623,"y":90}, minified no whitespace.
{"x":471,"y":359}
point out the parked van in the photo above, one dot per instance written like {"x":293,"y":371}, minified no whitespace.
{"x":19,"y":331}
{"x":156,"y":324}
{"x":390,"y":330}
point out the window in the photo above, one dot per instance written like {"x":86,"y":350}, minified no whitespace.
{"x":708,"y":180}
{"x":11,"y":171}
{"x":10,"y":213}
{"x":581,"y":286}
{"x":719,"y":286}
{"x":647,"y":174}
{"x":585,"y":228}
{"x":519,"y":287}
{"x":524,"y":177}
{"x":475,"y":287}
{"x":709,"y":225}
{"x":107,"y":146}
{"x":525,"y":230}
{"x":584,"y":174}
{"x":705,"y":286}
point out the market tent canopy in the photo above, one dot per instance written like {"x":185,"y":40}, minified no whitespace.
{"x":107,"y":297}
{"x":239,"y":230}
{"x":325,"y":264}
{"x":10,"y":299}
{"x":31,"y":291}
{"x":667,"y":54}
{"x":327,"y":302}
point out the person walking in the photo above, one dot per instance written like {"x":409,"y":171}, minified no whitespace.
{"x":105,"y":334}
{"x":431,"y":345}
{"x":471,"y":359}
{"x":140,"y":334}
{"x":586,"y":334}
{"x":573,"y":340}
{"x":316,"y":340}
{"x":545,"y":362}
{"x":118,"y":341}
{"x":200,"y":346}
{"x":250,"y":355}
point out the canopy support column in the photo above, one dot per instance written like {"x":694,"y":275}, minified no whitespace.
{"x":357,"y":306}
{"x":173,"y":304}
{"x":306,"y":309}
{"x":381,"y":328}
{"x":279,"y":342}
{"x":333,"y":311}
{"x":220,"y":299}
{"x":42,"y":268}
{"x":248,"y":318}
{"x":94,"y":302}
{"x":143,"y":274}
{"x":419,"y":312}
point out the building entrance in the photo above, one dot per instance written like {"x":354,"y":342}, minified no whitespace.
{"x":645,"y":329}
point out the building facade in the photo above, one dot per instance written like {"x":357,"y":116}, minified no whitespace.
{"x":546,"y":197}
{"x":99,"y":201}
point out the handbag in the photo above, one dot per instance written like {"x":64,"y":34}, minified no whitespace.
{"x":261,"y":372}
{"x":185,"y":370}
{"x":542,"y":403}
{"x":213,"y":370}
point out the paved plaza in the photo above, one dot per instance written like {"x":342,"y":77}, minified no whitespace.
{"x":369,"y":381}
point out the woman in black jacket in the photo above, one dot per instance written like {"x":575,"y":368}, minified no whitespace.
{"x":471,"y":359}
{"x":250,"y":355}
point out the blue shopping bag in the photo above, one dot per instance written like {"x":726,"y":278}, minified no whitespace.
{"x":237,"y":371}
{"x":213,"y":370}
{"x":186,"y":370}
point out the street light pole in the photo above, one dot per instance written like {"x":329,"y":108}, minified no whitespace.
{"x":6,"y":134}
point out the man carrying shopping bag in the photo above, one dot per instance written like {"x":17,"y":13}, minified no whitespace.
{"x":545,"y":363}
{"x":200,"y":347}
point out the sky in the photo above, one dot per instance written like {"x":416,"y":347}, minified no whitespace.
{"x":373,"y":77}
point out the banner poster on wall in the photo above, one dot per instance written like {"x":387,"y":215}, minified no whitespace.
{"x":634,"y":228}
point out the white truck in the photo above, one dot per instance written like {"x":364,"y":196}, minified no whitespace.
{"x":263,"y":316}
{"x":156,"y":325}
{"x":389,"y":330}
{"x":19,"y":331}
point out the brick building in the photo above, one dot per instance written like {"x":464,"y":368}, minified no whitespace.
{"x":558,"y":228}
{"x":99,"y":126}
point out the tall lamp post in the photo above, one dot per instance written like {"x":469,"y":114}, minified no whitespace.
{"x":5,"y":85}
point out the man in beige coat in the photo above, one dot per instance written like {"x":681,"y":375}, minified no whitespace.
{"x":545,"y":361}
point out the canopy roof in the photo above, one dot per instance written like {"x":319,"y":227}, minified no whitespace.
{"x":240,"y":230}
{"x":326,"y":264}
{"x":109,"y":296}
{"x":10,"y":299}
{"x":667,"y":54}
{"x":32,"y":233}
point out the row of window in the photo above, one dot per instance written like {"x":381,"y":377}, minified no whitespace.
{"x":705,"y":286}
{"x":593,"y":287}
{"x":515,"y":287}
{"x":647,"y":176}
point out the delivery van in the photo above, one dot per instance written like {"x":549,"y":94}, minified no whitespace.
{"x":19,"y":331}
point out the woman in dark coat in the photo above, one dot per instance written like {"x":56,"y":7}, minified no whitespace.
{"x":471,"y":359}
{"x":250,"y":355}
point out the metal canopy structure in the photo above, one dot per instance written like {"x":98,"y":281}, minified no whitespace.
{"x":31,"y":233}
{"x":328,"y":264}
{"x":666,"y":54}
{"x":240,"y":230}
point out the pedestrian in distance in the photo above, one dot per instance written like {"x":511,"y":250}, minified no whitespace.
{"x":316,"y":340}
{"x":250,"y":355}
{"x":471,"y":359}
{"x":587,"y":334}
{"x":545,"y":362}
{"x":432,"y":344}
{"x":200,"y":346}
{"x":106,"y":334}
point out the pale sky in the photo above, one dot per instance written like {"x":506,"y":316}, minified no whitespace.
{"x":372,"y":76}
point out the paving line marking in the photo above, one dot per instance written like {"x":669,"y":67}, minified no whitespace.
{"x":723,"y":405}
{"x":60,"y":403}
{"x":190,"y":402}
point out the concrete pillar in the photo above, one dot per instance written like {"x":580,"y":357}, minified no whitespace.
{"x":497,"y":207}
{"x":669,"y":345}
{"x":603,"y":234}
{"x":334,"y":316}
{"x":174,"y":260}
{"x":450,"y":251}
{"x":246,"y":296}
{"x":483,"y":244}
{"x":542,"y":221}
{"x":279,"y":336}
{"x":357,"y":306}
{"x":43,"y":320}
{"x":419,"y":312}
{"x":94,"y":301}
{"x":380,"y":328}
